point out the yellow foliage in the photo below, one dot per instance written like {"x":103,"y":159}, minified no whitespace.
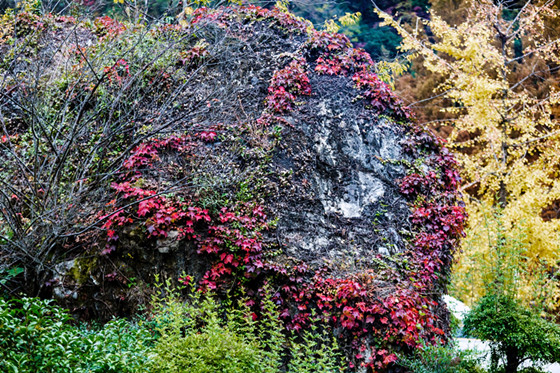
{"x":477,"y":261}
{"x":388,"y":71}
{"x":349,"y":19}
{"x":30,"y":6}
{"x":7,"y":22}
{"x":331,"y":26}
{"x":504,"y":133}
{"x":282,"y":5}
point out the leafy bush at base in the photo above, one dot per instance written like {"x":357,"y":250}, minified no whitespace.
{"x":216,"y":349}
{"x":441,"y":359}
{"x":196,"y":335}
{"x":36,"y":336}
{"x":196,"y":338}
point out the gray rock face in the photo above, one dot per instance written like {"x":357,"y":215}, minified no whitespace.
{"x":325,"y":172}
{"x":358,"y":193}
{"x":343,"y":205}
{"x":170,"y":243}
{"x":61,"y":271}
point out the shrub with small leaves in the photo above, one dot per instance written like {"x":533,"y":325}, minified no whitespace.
{"x":37,"y":336}
{"x":200,"y":335}
{"x":194,"y":337}
{"x":441,"y":359}
{"x":315,"y":351}
{"x":515,"y":332}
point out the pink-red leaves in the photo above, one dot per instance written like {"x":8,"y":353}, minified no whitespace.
{"x":286,"y":85}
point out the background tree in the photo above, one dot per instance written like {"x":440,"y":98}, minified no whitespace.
{"x":517,"y":331}
{"x":516,"y":334}
{"x":504,"y":131}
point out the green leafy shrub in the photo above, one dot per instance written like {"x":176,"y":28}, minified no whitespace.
{"x":441,"y":359}
{"x":202,"y":335}
{"x":119,"y":346}
{"x":515,"y":332}
{"x":314,"y":351}
{"x":36,"y":336}
{"x":195,"y":337}
{"x":214,"y":349}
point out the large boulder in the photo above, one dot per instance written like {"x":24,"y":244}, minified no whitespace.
{"x":239,"y":147}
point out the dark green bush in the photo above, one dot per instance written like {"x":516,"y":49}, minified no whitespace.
{"x":36,"y":336}
{"x":515,"y":332}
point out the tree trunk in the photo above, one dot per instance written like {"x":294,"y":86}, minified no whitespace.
{"x":512,"y":362}
{"x":502,"y":195}
{"x":494,"y":360}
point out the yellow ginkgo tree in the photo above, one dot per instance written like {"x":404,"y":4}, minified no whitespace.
{"x":502,"y":124}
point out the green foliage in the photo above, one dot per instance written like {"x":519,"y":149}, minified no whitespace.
{"x":314,"y":351}
{"x":196,"y":337}
{"x":36,"y":336}
{"x":119,"y":346}
{"x":270,"y":330}
{"x":455,"y":324}
{"x":441,"y":359}
{"x":8,"y":274}
{"x":215,"y":349}
{"x":514,"y":331}
{"x":532,"y":370}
